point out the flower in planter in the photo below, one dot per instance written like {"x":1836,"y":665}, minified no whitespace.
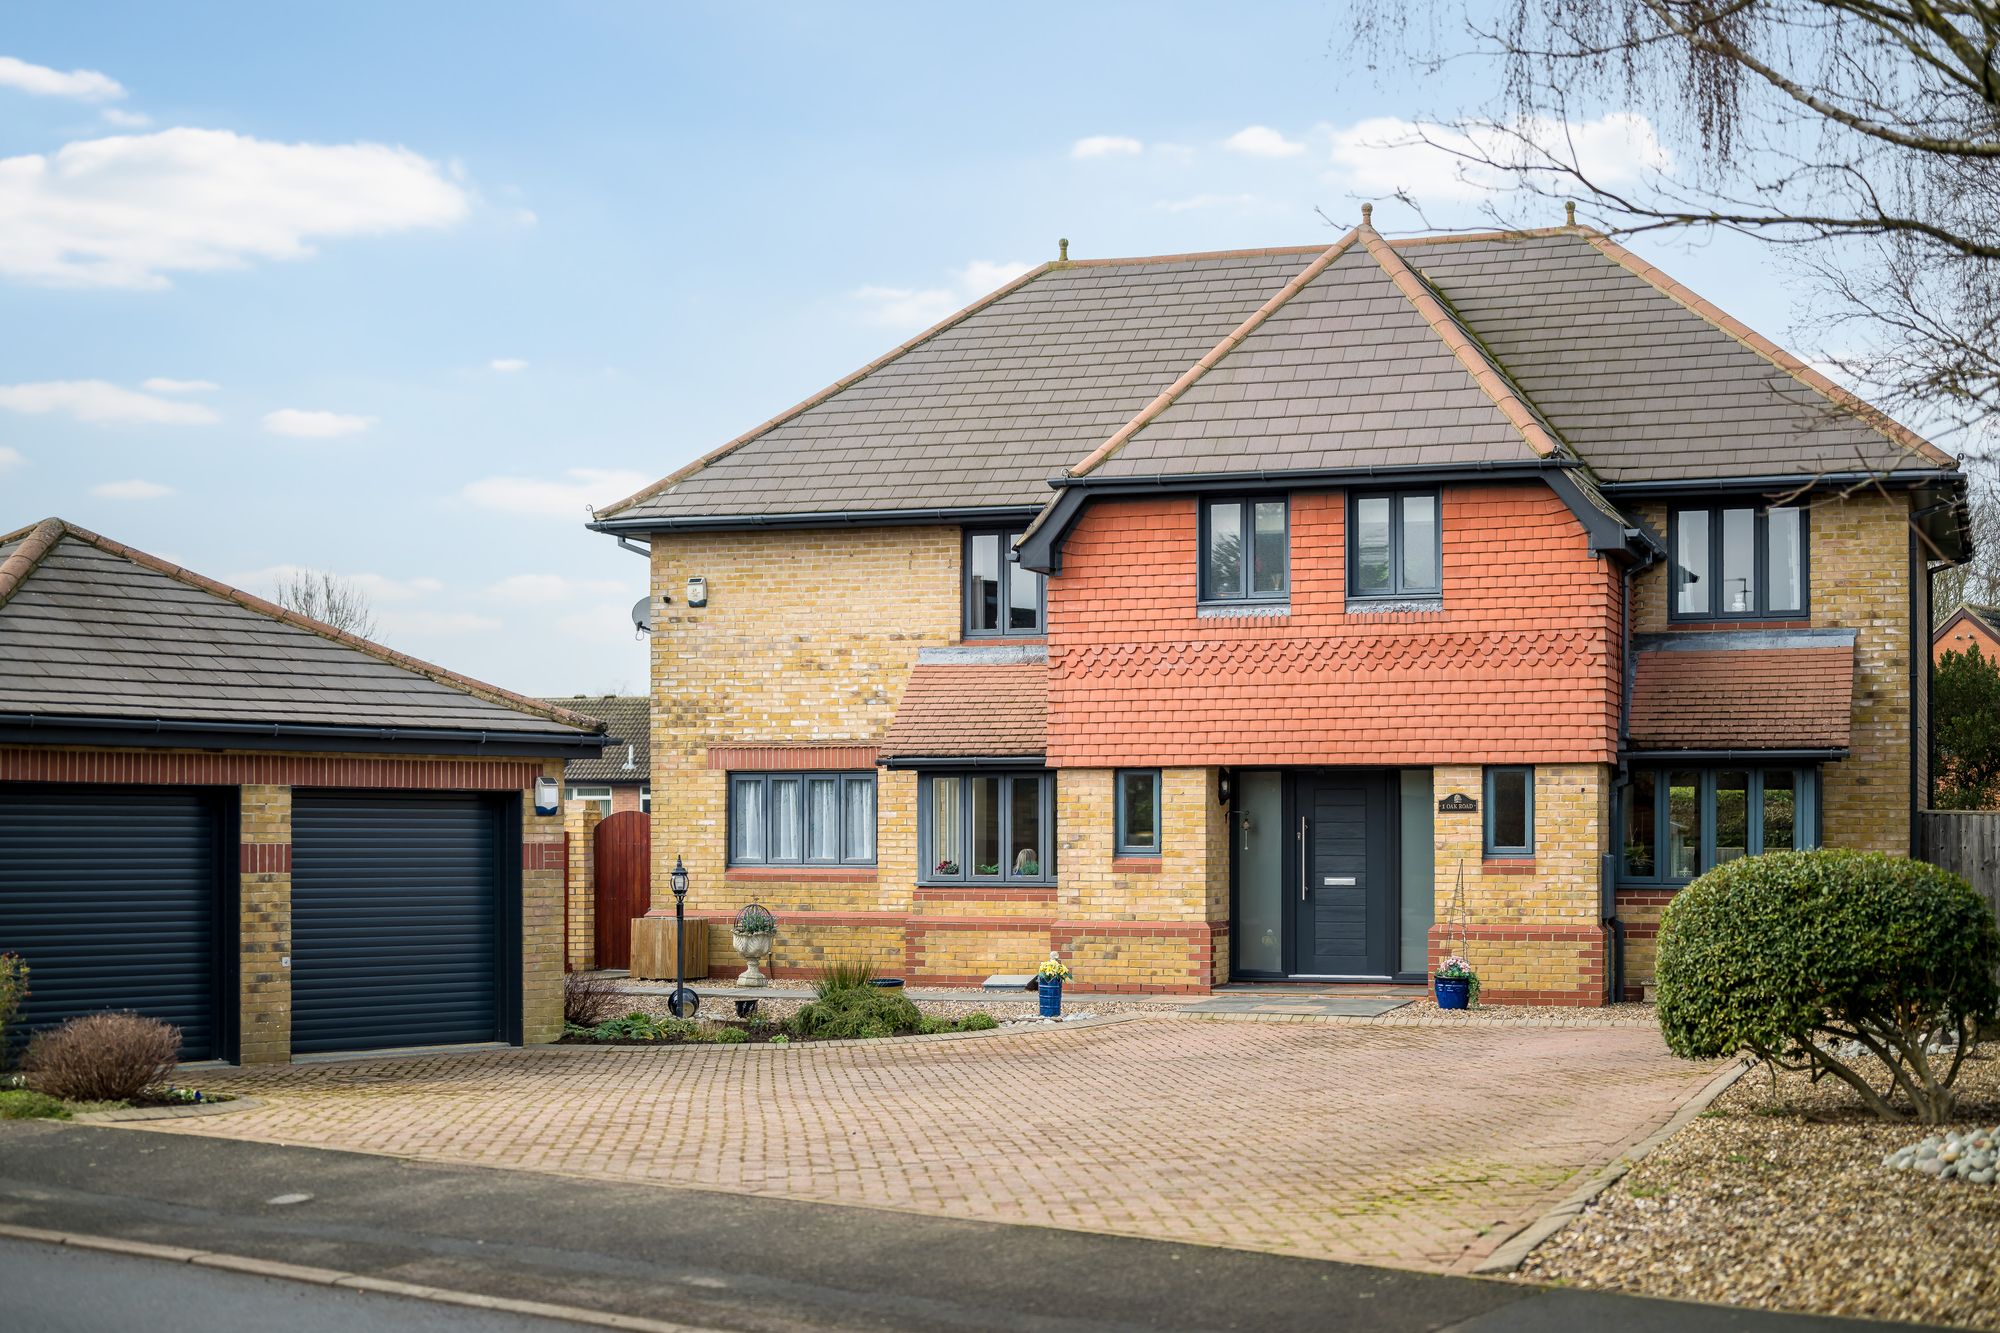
{"x":1054,"y":968}
{"x":1458,"y":968}
{"x":756,"y":919}
{"x":947,"y":867}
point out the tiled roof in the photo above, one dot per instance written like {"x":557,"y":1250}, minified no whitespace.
{"x":628,"y":723}
{"x":1751,"y":691}
{"x":1417,"y":351}
{"x":968,"y":708}
{"x":93,"y":629}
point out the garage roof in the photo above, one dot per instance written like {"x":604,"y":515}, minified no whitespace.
{"x":94,"y":631}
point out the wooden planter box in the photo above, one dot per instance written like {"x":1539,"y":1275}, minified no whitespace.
{"x":653,"y":948}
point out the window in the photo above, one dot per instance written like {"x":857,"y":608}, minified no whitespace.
{"x":780,"y":819}
{"x":1510,"y":812}
{"x":1393,"y":546}
{"x":1138,"y":812}
{"x":1001,"y":596}
{"x":1675,"y":823}
{"x":992,"y":827}
{"x":1738,"y":563}
{"x":598,"y":796}
{"x":1245,"y":551}
{"x":646,"y":798}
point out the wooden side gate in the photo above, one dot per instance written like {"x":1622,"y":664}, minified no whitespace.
{"x":623,"y":859}
{"x":1966,"y":842}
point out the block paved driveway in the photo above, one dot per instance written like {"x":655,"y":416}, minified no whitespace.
{"x":1413,"y":1147}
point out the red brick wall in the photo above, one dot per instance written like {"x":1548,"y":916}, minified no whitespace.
{"x":1521,"y":665}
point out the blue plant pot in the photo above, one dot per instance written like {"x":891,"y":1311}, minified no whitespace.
{"x":1453,"y":992}
{"x":1049,"y":991}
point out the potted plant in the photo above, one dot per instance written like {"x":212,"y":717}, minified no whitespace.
{"x":1049,"y":979}
{"x":1456,"y":983}
{"x":753,"y":933}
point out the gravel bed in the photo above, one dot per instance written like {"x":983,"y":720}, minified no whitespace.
{"x":1632,"y":1014}
{"x":1776,"y":1197}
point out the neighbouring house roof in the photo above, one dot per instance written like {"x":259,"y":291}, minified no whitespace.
{"x":972,"y":703}
{"x":628,"y":725}
{"x":94,"y":631}
{"x":1551,"y":346}
{"x":1985,"y":617}
{"x":1743,"y":690}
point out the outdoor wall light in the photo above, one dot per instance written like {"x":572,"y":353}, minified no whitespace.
{"x":548,"y":799}
{"x":697,"y":591}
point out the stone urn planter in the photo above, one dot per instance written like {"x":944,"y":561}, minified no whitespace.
{"x":753,"y":934}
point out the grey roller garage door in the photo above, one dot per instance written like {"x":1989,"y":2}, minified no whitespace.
{"x":115,"y":897}
{"x":396,"y":921}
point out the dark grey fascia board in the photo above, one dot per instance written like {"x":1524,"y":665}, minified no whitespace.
{"x":858,"y":518}
{"x":964,"y":761}
{"x":1733,"y":756}
{"x":1736,"y":640}
{"x":182,"y":734}
{"x":1811,"y":481}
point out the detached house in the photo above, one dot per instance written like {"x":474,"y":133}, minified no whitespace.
{"x":1297,"y":613}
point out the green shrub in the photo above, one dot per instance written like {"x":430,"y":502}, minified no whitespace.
{"x":638,"y":1026}
{"x":728,"y":1036}
{"x":1965,"y":731}
{"x":1793,"y":955}
{"x":869,"y":1012}
{"x":978,"y":1023}
{"x":20,"y":1104}
{"x":13,"y":990}
{"x":842,"y":976}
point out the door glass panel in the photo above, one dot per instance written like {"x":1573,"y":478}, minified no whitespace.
{"x":1269,"y":564}
{"x":1739,"y":561}
{"x":1732,"y":816}
{"x":1222,"y":562}
{"x":784,"y":819}
{"x":822,"y":819}
{"x":1787,"y":577}
{"x":1683,"y":825}
{"x":1691,"y":563}
{"x":1024,"y":827}
{"x":1371,"y":544}
{"x":947,"y":826}
{"x":1260,"y":872}
{"x":1418,"y":878}
{"x":1024,"y":598}
{"x":858,"y":794}
{"x":747,"y":844}
{"x":1420,"y":543}
{"x":983,"y":557}
{"x":986,"y":826}
{"x":1636,"y":814}
{"x":1781,"y":810}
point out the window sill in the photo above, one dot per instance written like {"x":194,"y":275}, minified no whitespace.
{"x":1136,"y":865}
{"x":802,"y":874}
{"x":986,"y":884}
{"x":1508,"y":865}
{"x":1245,"y":610}
{"x":1383,"y":606}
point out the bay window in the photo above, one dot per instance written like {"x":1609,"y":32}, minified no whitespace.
{"x":1675,"y":823}
{"x":987,"y":826}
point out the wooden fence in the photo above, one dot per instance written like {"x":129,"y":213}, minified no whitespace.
{"x":1966,"y":842}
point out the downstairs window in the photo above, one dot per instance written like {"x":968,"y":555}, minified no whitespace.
{"x":1675,"y":823}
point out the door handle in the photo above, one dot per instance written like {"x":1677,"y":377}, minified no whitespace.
{"x":1305,"y":870}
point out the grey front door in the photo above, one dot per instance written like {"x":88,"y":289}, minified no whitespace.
{"x":1347,"y":901}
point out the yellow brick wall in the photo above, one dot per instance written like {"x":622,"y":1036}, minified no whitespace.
{"x":264,"y":902}
{"x":580,"y":820}
{"x":542,"y":903}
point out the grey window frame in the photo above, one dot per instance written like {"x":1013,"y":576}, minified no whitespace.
{"x":1806,"y":788}
{"x":927,"y":852}
{"x":843,"y":778}
{"x":1247,"y":505}
{"x":1119,"y":845}
{"x":1398,"y":590}
{"x":1761,"y":563}
{"x":1492,"y":848}
{"x":968,"y":628}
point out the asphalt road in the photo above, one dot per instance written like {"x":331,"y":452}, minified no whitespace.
{"x":722,"y":1261}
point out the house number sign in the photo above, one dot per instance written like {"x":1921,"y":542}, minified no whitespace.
{"x":1458,"y":803}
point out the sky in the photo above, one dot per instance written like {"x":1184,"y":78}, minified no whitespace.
{"x":395,"y":291}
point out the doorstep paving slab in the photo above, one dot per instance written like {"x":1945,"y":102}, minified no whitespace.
{"x":1412,"y":1147}
{"x":1313,"y":1006}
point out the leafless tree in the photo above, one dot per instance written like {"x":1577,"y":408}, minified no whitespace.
{"x":326,"y":597}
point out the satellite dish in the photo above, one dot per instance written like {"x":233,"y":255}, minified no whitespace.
{"x":642,"y":615}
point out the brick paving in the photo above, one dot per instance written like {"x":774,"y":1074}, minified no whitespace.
{"x":1413,"y":1147}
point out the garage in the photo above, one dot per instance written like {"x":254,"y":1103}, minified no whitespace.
{"x":118,"y":899}
{"x":400,"y":914}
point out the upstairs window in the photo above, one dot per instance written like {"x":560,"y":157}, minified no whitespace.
{"x":1738,"y":562}
{"x":1393,"y":546}
{"x":1002,"y":598}
{"x":1245,"y":550}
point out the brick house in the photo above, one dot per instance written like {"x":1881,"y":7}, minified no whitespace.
{"x":281,"y":838}
{"x":1298,"y":613}
{"x":621,"y":778}
{"x":1966,"y":628}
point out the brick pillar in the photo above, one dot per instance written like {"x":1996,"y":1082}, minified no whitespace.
{"x":580,"y":819}
{"x":265,"y":905}
{"x":542,"y":943}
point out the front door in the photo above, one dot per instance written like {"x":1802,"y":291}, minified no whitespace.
{"x":1344,"y":907}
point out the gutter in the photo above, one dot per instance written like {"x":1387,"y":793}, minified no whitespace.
{"x":1622,"y":776}
{"x":963,"y":761}
{"x":177,"y":733}
{"x":1808,"y":753}
{"x":869,"y":518}
{"x":1812,"y":481}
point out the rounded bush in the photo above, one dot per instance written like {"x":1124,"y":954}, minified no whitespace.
{"x":858,"y":1013}
{"x":1758,"y":953}
{"x":102,"y":1058}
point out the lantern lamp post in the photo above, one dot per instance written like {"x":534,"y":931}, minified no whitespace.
{"x":683,"y":1003}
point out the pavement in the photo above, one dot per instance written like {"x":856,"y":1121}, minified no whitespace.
{"x":665,"y":1256}
{"x":1417,"y":1148}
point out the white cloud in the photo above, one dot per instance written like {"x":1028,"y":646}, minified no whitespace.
{"x":304,"y":424}
{"x":377,"y":587}
{"x":1262,"y":141}
{"x":916,"y":307}
{"x":555,"y":588}
{"x":135,"y":489}
{"x":85,"y":85}
{"x":507,"y":365}
{"x":99,"y":401}
{"x":161,"y":384}
{"x":548,"y":498}
{"x":1105,"y":145}
{"x":11,"y":458}
{"x":126,"y":211}
{"x":1436,"y":163}
{"x":125,"y":120}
